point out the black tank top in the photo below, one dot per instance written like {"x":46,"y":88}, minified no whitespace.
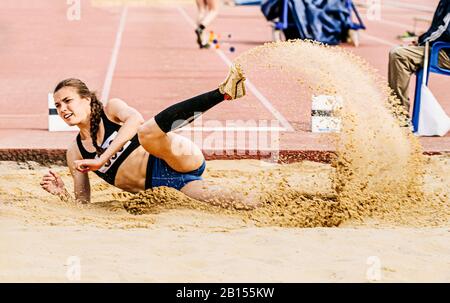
{"x":108,"y":171}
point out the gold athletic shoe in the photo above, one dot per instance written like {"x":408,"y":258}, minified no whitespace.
{"x":234,"y":83}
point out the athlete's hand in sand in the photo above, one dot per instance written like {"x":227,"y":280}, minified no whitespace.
{"x":88,"y":165}
{"x":52,"y":183}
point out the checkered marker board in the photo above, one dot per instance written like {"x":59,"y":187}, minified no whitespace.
{"x":55,"y":122}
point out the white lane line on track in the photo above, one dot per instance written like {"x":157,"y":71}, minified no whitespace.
{"x":410,"y":6}
{"x":379,"y":40}
{"x":13,"y":116}
{"x":399,"y":4}
{"x":114,"y":55}
{"x":406,"y":26}
{"x":396,"y":24}
{"x":264,"y":101}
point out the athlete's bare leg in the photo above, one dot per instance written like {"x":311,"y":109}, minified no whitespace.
{"x":221,"y":196}
{"x":179,"y":152}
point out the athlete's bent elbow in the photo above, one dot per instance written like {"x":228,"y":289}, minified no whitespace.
{"x":149,"y":131}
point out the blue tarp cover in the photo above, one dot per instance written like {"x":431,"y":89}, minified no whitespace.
{"x":247,"y":2}
{"x":326,"y":21}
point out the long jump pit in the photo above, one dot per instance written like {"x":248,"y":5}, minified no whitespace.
{"x":374,"y":210}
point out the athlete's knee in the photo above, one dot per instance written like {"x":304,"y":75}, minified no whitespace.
{"x":149,"y":131}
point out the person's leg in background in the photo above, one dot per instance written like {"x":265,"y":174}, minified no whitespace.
{"x":444,"y":59}
{"x":207,"y":12}
{"x":212,"y":11}
{"x":403,"y":62}
{"x":201,"y":10}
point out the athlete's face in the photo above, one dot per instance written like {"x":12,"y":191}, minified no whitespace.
{"x":71,"y":107}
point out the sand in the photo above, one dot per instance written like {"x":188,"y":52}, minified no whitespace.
{"x":379,"y":212}
{"x":192,"y":242}
{"x":379,"y":164}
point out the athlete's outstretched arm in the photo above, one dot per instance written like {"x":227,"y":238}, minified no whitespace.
{"x":52,"y":182}
{"x":81,"y":185}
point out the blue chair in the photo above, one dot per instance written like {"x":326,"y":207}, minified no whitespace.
{"x":352,"y":8}
{"x":283,"y":23}
{"x":433,"y":67}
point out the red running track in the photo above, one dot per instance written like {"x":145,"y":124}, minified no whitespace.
{"x":147,"y":56}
